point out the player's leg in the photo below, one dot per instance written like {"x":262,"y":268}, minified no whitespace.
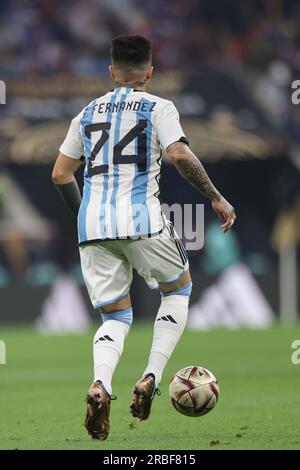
{"x":168,"y":328}
{"x":108,"y":276}
{"x":107,"y":349}
{"x":169,"y":324}
{"x":164,"y":261}
{"x":109,"y":340}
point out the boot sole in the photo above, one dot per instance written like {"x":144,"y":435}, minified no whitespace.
{"x":95,"y":428}
{"x":138,"y":410}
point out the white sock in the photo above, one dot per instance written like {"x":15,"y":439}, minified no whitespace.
{"x":108,"y":347}
{"x":168,"y":328}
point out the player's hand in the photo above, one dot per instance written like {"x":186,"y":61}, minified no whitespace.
{"x":225,"y":213}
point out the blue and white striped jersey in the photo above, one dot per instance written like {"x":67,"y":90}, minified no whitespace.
{"x":121,"y":135}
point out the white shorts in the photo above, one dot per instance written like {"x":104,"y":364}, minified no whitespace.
{"x":107,"y":266}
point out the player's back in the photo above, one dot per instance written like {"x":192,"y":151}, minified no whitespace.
{"x":122,"y":134}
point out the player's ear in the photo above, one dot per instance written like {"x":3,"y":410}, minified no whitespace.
{"x":112,"y":72}
{"x":149,"y":72}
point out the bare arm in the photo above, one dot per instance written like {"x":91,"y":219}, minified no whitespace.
{"x":188,"y":165}
{"x":65,"y":182}
{"x":64,"y":169}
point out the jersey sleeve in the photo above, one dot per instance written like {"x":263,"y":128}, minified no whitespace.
{"x":169,"y":129}
{"x":72,"y":146}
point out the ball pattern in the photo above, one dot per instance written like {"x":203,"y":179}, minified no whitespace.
{"x":194,"y":391}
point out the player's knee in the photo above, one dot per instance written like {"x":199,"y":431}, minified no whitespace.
{"x":185,"y":290}
{"x":124,"y":316}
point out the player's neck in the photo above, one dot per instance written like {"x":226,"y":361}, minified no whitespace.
{"x":138,"y":86}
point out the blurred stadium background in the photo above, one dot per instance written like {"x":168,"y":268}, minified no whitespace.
{"x":229,"y":67}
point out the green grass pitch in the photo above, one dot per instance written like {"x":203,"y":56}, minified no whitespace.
{"x":43,"y":385}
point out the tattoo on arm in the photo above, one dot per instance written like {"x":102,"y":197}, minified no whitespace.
{"x":193,"y":171}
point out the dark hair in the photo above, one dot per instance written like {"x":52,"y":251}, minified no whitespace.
{"x":131,"y":51}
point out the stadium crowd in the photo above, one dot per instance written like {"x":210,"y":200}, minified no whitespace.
{"x":71,"y":36}
{"x":257,"y":41}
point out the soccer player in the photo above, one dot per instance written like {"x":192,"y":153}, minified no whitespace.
{"x":120,"y":223}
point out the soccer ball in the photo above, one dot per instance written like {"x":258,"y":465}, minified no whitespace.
{"x":194,"y":391}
